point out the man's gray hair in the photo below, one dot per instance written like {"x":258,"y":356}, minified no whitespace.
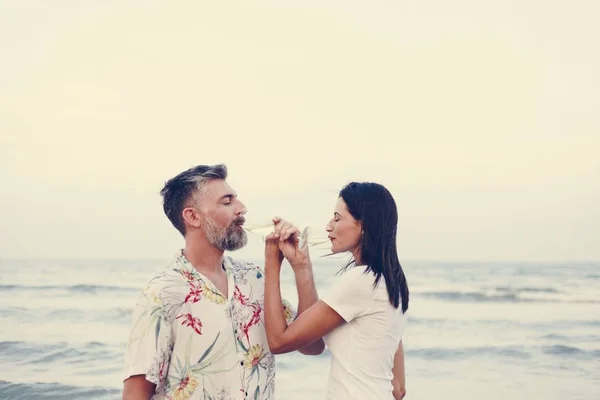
{"x":179,"y":190}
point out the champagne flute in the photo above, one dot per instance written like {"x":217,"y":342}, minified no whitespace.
{"x":306,"y":237}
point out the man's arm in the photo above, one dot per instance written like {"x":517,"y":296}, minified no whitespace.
{"x":289,"y":237}
{"x":307,"y":296}
{"x":138,"y":388}
{"x":398,"y":381}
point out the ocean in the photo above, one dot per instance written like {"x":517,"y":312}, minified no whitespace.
{"x":476,"y":330}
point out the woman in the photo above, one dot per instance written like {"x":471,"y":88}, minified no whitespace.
{"x":362,"y":317}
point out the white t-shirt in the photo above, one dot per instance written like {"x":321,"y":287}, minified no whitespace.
{"x":363,"y":348}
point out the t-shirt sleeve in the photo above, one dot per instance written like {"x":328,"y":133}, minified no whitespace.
{"x":351,"y":294}
{"x":148,"y":349}
{"x":289,"y":311}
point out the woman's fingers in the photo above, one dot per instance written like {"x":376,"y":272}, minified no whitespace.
{"x":289,"y":231}
{"x":284,"y":230}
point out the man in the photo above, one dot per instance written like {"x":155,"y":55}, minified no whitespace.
{"x":198,"y":327}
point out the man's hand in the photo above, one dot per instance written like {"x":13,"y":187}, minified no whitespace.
{"x":273,"y":255}
{"x":289,"y":240}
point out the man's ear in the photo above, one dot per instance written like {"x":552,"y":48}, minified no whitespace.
{"x":192,"y":217}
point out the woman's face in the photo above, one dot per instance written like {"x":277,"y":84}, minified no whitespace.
{"x":344,"y":231}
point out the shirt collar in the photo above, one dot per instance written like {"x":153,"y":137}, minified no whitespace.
{"x":186,"y":268}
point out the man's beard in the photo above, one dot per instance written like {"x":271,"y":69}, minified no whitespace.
{"x":229,"y":239}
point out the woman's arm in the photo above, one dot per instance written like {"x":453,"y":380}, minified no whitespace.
{"x":398,"y":381}
{"x":310,"y":326}
{"x":307,"y":296}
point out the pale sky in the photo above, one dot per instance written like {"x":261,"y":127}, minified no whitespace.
{"x":481,"y":117}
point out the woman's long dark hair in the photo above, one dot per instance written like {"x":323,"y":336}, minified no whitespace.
{"x":374,"y":207}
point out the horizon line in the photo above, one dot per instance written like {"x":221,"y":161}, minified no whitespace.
{"x":408,"y":259}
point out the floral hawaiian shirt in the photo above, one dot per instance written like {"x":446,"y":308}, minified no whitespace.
{"x":195,"y":343}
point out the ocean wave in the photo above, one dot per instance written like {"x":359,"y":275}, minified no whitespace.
{"x":27,"y":353}
{"x":113,"y":315}
{"x":81,"y":288}
{"x":554,"y":336}
{"x":518,"y":352}
{"x":435,"y":353}
{"x":503,"y":296}
{"x":561,"y":350}
{"x":50,"y":391}
{"x":512,"y":324}
{"x":564,"y":323}
{"x":525,"y":289}
{"x":469,"y":296}
{"x":294,"y":361}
